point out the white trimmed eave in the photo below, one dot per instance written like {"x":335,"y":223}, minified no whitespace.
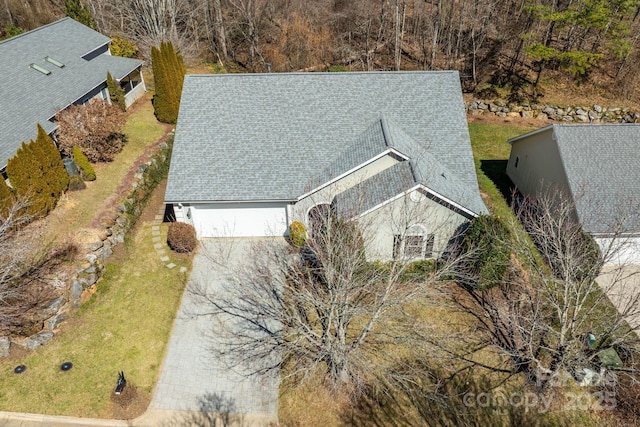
{"x":532,"y":133}
{"x":425,"y":189}
{"x":226,"y":202}
{"x":350,"y":171}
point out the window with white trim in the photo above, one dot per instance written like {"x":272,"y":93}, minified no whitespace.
{"x":415,"y":244}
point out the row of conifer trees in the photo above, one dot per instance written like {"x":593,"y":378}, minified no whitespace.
{"x":37,"y":175}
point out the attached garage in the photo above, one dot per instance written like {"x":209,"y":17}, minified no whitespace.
{"x":235,"y":219}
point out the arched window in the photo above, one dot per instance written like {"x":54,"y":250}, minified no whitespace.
{"x":416,"y":243}
{"x":318,"y":218}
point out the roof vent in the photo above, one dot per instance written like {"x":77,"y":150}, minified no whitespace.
{"x":54,"y":61}
{"x":39,"y":68}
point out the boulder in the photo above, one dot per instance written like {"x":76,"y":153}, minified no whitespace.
{"x":94,"y":246}
{"x":76,"y":289}
{"x":549,"y":110}
{"x":5,"y":346}
{"x":52,"y":323}
{"x":36,"y":340}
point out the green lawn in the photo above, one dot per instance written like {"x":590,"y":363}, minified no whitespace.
{"x":491,"y":152}
{"x":126,"y":323}
{"x":125,"y":326}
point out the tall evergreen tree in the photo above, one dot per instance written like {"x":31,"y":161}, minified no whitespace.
{"x":168,"y":73}
{"x":52,"y":165}
{"x":37,"y":174}
{"x":7,"y":199}
{"x":116,"y":93}
{"x":77,"y":10}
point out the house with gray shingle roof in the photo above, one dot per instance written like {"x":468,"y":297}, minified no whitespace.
{"x":51,"y":67}
{"x":597,"y":166}
{"x":254,"y":152}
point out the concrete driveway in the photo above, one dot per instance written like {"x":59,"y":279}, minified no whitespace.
{"x":192,"y":378}
{"x":622,"y":285}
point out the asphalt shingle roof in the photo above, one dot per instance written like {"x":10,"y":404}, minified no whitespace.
{"x":248,"y":137}
{"x":375,"y":190}
{"x":602,"y":165}
{"x":28,"y":97}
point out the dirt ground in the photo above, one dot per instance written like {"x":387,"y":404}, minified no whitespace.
{"x":516,"y":121}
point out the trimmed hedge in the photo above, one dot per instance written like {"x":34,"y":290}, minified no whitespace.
{"x":181,"y":237}
{"x":86,"y":170}
{"x":297,"y":234}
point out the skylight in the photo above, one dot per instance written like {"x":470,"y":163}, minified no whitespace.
{"x":54,"y":61}
{"x":41,"y":69}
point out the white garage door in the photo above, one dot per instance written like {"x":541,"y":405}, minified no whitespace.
{"x":240,"y":219}
{"x":627,"y":250}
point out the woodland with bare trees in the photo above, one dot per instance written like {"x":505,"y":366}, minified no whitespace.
{"x":500,"y":42}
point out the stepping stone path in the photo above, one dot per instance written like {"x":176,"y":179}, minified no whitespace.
{"x":158,"y":244}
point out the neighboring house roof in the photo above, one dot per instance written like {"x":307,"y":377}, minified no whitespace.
{"x":28,"y":97}
{"x":265,"y":137}
{"x":602,"y":167}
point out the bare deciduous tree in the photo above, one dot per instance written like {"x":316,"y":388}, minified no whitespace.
{"x":538,"y":319}
{"x":325,"y":310}
{"x":26,"y":263}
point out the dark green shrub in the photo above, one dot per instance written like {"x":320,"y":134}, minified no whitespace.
{"x":76,"y":183}
{"x":86,"y":169}
{"x":418,"y":270}
{"x":485,"y":246}
{"x":116,"y":93}
{"x":297,"y":234}
{"x":80,"y":12}
{"x":181,"y":237}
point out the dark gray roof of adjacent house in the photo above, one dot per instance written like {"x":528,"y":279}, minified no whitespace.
{"x":267,"y":137}
{"x":28,"y":97}
{"x":602,"y":166}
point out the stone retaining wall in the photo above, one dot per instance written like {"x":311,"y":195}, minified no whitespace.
{"x":578,"y":114}
{"x":92,"y":265}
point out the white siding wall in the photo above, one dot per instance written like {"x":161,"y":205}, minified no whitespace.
{"x":626,"y":250}
{"x":539,"y":165}
{"x":236,"y":219}
{"x":396,"y":217}
{"x":326,"y":195}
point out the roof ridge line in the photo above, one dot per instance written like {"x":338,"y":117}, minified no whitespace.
{"x":36,"y":29}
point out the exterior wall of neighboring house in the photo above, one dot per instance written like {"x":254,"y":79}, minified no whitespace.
{"x":326,"y":195}
{"x":535,"y":164}
{"x":235,"y":219}
{"x":388,"y":229}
